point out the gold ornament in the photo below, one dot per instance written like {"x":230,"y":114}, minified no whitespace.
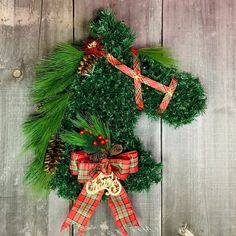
{"x":108,"y":182}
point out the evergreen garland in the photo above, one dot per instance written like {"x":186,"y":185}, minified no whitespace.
{"x":51,"y":94}
{"x":108,"y":93}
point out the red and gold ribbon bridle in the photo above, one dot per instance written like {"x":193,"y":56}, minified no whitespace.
{"x":94,"y":47}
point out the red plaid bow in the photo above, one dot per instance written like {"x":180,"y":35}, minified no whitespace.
{"x":134,"y":73}
{"x":86,"y":204}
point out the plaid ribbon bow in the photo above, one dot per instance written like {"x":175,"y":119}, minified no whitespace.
{"x":86,"y":204}
{"x":95,"y":47}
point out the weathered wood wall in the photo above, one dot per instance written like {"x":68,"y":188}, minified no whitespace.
{"x":199,"y":183}
{"x":28,"y":29}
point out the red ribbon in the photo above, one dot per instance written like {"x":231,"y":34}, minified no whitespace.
{"x":86,"y":204}
{"x":94,"y":46}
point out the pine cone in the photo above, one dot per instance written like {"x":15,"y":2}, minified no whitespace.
{"x":97,"y":157}
{"x":86,"y":64}
{"x":116,"y":150}
{"x":53,"y":155}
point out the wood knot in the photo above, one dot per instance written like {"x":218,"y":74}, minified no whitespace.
{"x":17,"y":74}
{"x":183,"y":231}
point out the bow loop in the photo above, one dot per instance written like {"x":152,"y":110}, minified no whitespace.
{"x":122,"y":165}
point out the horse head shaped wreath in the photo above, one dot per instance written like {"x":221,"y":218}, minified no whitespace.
{"x":118,"y":83}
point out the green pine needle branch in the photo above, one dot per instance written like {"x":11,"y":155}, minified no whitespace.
{"x":161,"y":55}
{"x":54,"y":76}
{"x":38,"y":130}
{"x":55,"y":73}
{"x":90,"y":129}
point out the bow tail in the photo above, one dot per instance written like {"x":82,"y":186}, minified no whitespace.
{"x":122,"y":211}
{"x":82,"y":210}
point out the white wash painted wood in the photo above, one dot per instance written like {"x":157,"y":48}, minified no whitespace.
{"x":199,"y":184}
{"x":28,"y":29}
{"x":144,"y":18}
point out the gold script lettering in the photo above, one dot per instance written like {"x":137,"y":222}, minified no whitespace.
{"x":110,"y":183}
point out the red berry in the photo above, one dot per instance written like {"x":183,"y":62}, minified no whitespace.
{"x":95,"y":143}
{"x":81,"y":131}
{"x":100,"y":136}
{"x":134,"y":51}
{"x":106,"y":140}
{"x":102,"y":141}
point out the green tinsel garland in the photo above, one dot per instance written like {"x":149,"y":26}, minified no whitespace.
{"x":109,"y":94}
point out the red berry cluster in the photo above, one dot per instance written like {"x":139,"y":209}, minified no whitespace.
{"x":85,"y":130}
{"x":101,"y":140}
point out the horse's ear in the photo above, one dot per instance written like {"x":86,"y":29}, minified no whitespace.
{"x":116,"y":35}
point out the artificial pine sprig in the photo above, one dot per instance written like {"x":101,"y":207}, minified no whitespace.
{"x":93,"y":137}
{"x":38,"y":129}
{"x":161,"y":55}
{"x":54,"y":76}
{"x":55,"y":73}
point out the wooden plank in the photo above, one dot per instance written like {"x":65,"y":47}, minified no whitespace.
{"x":19,"y":214}
{"x":199,"y":159}
{"x":56,"y":23}
{"x":27,"y":28}
{"x":144,"y":17}
{"x":56,"y":26}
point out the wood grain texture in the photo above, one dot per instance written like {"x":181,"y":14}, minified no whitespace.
{"x":27,"y":29}
{"x":56,"y":26}
{"x":199,"y":179}
{"x":144,"y":18}
{"x":199,"y":184}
